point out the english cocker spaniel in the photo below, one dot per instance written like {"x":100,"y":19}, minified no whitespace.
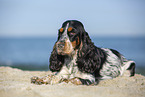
{"x":76,"y":59}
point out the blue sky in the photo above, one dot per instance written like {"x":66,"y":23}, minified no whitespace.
{"x":34,"y":18}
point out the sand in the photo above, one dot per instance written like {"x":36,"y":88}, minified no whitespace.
{"x":16,"y":83}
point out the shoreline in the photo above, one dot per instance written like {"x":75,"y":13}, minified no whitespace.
{"x":139,"y":69}
{"x":15,"y":82}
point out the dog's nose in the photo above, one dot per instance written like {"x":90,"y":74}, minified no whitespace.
{"x":60,"y":45}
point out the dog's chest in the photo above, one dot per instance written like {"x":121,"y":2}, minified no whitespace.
{"x":70,"y":63}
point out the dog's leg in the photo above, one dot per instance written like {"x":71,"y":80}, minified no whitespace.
{"x":43,"y":80}
{"x":132,"y":69}
{"x":128,"y":68}
{"x":50,"y":79}
{"x":80,"y":81}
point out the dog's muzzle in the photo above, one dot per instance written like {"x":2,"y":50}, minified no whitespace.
{"x":60,"y":47}
{"x":64,"y":47}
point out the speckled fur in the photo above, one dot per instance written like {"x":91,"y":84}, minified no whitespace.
{"x":76,"y":59}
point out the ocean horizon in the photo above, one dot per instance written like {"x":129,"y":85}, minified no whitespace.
{"x":33,"y":53}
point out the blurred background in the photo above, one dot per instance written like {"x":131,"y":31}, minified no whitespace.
{"x":28,"y":29}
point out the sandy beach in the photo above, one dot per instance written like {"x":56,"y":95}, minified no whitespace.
{"x":16,"y":83}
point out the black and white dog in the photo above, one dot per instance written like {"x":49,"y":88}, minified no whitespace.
{"x":76,"y":59}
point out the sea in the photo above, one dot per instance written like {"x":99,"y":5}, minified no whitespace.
{"x":33,"y":53}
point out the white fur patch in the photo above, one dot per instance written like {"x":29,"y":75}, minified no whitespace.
{"x":114,"y":66}
{"x":70,"y":70}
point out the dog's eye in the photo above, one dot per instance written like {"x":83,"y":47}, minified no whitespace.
{"x":61,"y":30}
{"x":72,"y":33}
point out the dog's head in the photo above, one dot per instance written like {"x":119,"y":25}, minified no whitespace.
{"x":73,"y":39}
{"x":69,"y":37}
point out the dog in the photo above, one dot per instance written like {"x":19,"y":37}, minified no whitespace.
{"x":76,"y":59}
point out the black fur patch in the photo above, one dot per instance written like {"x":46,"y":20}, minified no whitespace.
{"x":90,"y":58}
{"x":116,"y":53}
{"x":132,"y":69}
{"x":56,"y":61}
{"x":88,"y":82}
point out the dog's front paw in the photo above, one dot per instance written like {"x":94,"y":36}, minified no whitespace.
{"x":36,"y":80}
{"x":64,"y":80}
{"x":76,"y":81}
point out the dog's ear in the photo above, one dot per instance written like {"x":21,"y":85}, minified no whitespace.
{"x":85,"y":44}
{"x":90,"y":58}
{"x":56,"y":61}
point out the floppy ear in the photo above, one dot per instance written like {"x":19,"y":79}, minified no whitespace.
{"x":90,"y":58}
{"x":56,"y":61}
